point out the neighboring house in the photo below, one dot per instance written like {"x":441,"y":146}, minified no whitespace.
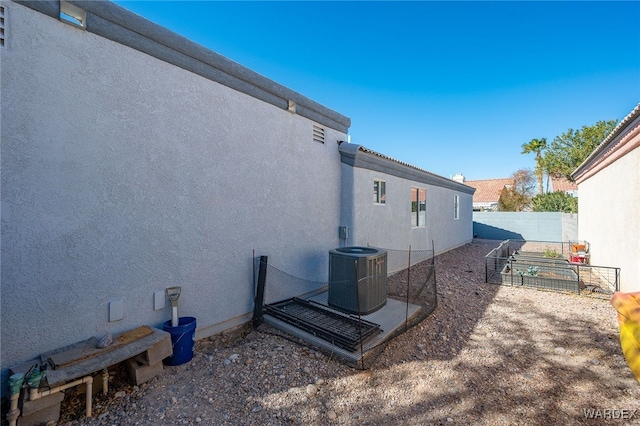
{"x":134,"y":160}
{"x":609,"y":202}
{"x":564,"y":185}
{"x":488,"y":192}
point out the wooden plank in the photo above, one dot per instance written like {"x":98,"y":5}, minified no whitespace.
{"x":90,"y":365}
{"x":87,"y":349}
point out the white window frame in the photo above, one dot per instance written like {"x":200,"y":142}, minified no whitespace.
{"x":456,"y":207}
{"x":418,"y":207}
{"x":379,"y":191}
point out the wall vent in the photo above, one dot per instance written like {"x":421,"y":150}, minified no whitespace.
{"x":318,"y":134}
{"x":2,"y":19}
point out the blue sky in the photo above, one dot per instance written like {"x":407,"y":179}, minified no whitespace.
{"x":450,"y":87}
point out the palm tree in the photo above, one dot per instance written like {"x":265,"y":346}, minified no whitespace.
{"x":536,"y":145}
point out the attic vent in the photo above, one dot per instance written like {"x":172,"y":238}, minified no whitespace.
{"x":2,"y":25}
{"x":318,"y":134}
{"x":73,"y":15}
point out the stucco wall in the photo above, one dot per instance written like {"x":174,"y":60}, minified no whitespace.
{"x":389,"y":225}
{"x":123,"y":175}
{"x":609,"y":206}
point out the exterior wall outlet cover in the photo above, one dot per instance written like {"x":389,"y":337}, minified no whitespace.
{"x":159,"y":300}
{"x":116,"y":310}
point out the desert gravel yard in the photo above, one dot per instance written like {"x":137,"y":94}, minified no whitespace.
{"x":488,"y":354}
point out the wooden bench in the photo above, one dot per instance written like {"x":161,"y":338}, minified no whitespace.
{"x":143,"y":348}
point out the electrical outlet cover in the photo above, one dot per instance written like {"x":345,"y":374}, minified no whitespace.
{"x":116,"y":310}
{"x":159,"y":300}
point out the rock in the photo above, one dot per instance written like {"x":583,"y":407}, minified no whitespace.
{"x":332,"y":415}
{"x":120,"y":394}
{"x":449,"y":420}
{"x":306,"y":370}
{"x":234,"y":357}
{"x":198,"y":419}
{"x":174,"y":400}
{"x":312,"y":390}
{"x":319,"y":382}
{"x":105,"y":341}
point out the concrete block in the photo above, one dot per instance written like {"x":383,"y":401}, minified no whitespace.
{"x":41,"y":411}
{"x":159,"y":351}
{"x":140,"y":372}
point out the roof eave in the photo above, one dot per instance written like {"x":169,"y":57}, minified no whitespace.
{"x":609,"y":140}
{"x":359,"y":156}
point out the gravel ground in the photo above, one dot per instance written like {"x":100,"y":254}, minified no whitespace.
{"x":488,"y":354}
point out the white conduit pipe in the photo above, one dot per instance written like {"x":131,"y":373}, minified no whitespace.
{"x":14,"y":412}
{"x":34,"y":394}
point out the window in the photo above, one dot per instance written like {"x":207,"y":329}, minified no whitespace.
{"x":418,"y":207}
{"x":379,"y":192}
{"x":456,"y":207}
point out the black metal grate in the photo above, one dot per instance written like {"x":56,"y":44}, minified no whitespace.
{"x":342,"y":330}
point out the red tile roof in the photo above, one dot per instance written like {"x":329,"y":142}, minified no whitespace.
{"x":489,"y":190}
{"x":562,"y":184}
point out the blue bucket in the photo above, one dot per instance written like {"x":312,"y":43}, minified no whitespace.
{"x":182,"y":340}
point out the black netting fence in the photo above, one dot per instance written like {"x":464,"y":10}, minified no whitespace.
{"x":372,"y":295}
{"x":557,"y":266}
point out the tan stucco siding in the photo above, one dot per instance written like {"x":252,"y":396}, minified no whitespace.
{"x":609,"y":206}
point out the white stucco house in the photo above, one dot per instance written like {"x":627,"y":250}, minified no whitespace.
{"x":609,"y":203}
{"x":134,"y":160}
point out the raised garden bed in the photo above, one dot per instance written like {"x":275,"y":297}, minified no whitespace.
{"x":539,"y":272}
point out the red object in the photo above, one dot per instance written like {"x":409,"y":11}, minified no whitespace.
{"x":578,"y":258}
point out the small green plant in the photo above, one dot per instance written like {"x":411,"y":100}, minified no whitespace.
{"x":532,"y":271}
{"x":552,"y":253}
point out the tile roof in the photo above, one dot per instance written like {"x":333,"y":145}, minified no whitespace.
{"x":563,"y":184}
{"x":409,"y":171}
{"x":488,"y":190}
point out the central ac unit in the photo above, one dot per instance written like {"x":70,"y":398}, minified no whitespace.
{"x":357,"y":279}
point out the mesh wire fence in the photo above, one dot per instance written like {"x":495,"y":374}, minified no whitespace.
{"x":355,"y":317}
{"x":557,"y":266}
